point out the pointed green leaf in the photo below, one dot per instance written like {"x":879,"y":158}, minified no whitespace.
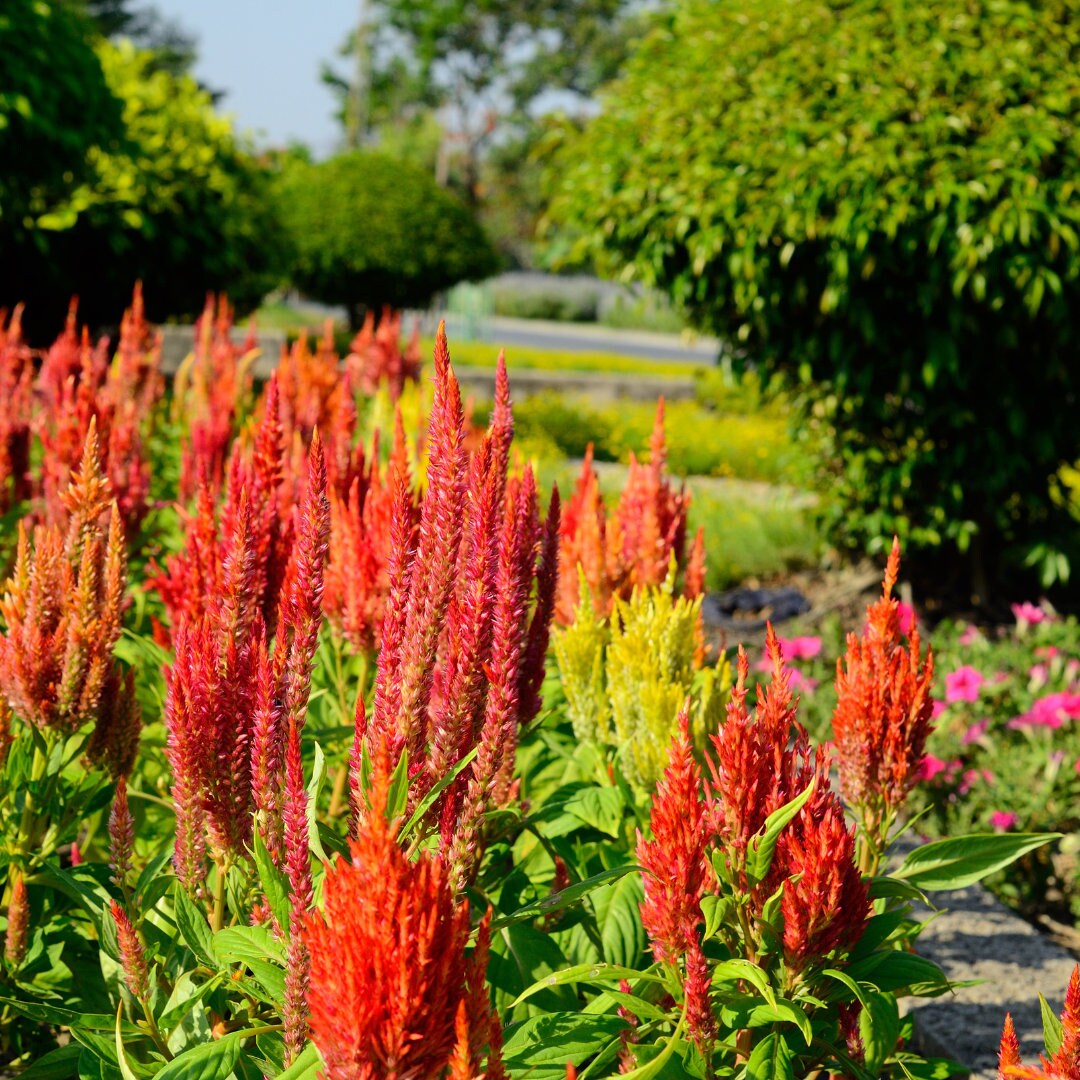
{"x":206,"y":1061}
{"x":428,"y":801}
{"x":771,"y":1059}
{"x":759,"y":857}
{"x":274,"y":883}
{"x":194,"y":929}
{"x":318,"y":777}
{"x":397,"y":795}
{"x":590,"y":973}
{"x":962,"y":860}
{"x":1052,"y":1028}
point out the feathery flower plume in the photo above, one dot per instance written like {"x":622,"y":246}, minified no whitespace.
{"x":62,"y":606}
{"x":1064,"y":1063}
{"x":18,"y":923}
{"x":16,"y":411}
{"x":121,"y":836}
{"x":632,"y":545}
{"x":392,"y":992}
{"x":375,"y":355}
{"x":132,"y":957}
{"x":884,"y":713}
{"x":464,"y":628}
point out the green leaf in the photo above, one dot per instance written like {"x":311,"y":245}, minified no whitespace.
{"x":428,"y":801}
{"x":184,"y":998}
{"x":306,"y":1066}
{"x":563,"y":899}
{"x":274,"y":883}
{"x":842,"y":977}
{"x":759,"y":857}
{"x":542,"y":1045}
{"x":602,"y":808}
{"x":206,"y":1061}
{"x":781,"y":1011}
{"x":59,"y":1064}
{"x":656,"y":1066}
{"x":1052,"y":1028}
{"x":771,"y":1059}
{"x":962,"y":860}
{"x":397,"y":795}
{"x":590,"y":973}
{"x":879,"y":1028}
{"x":618,"y":917}
{"x":318,"y":777}
{"x":194,"y":929}
{"x":121,"y":1057}
{"x":894,"y":969}
{"x":744,"y":971}
{"x":239,"y":944}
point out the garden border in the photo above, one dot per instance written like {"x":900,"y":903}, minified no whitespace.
{"x":976,"y":937}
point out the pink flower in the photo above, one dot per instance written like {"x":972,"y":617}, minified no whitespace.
{"x":800,"y":648}
{"x":1038,"y":674}
{"x":975,"y":732}
{"x":930,"y":766}
{"x":1050,"y":711}
{"x":970,"y":634}
{"x":906,"y":614}
{"x":937,"y":709}
{"x":1028,"y":614}
{"x":963,"y":684}
{"x":1047,"y":652}
{"x":797,"y":681}
{"x":1002,"y":820}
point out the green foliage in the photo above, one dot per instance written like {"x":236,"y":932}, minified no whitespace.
{"x":879,"y":198}
{"x":367,"y":230}
{"x":54,"y":105}
{"x":626,"y":679}
{"x":175,"y":200}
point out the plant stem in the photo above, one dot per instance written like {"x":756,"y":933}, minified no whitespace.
{"x":219,"y":895}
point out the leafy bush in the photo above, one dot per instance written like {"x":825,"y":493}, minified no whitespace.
{"x":175,"y":198}
{"x":55,"y":104}
{"x":560,"y":303}
{"x":878,"y":198}
{"x":369,"y":231}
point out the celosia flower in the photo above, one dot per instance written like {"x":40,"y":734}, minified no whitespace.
{"x":464,"y":631}
{"x":674,"y":860}
{"x":883,"y":716}
{"x":963,"y":684}
{"x":375,"y":355}
{"x":1064,"y":1063}
{"x":634,"y":544}
{"x":132,"y":957}
{"x":62,"y":607}
{"x":121,"y":836}
{"x":800,"y":648}
{"x":18,"y":923}
{"x":392,"y":989}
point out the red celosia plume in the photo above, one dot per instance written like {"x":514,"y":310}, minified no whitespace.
{"x":1064,"y":1063}
{"x":615,"y":551}
{"x":883,"y":713}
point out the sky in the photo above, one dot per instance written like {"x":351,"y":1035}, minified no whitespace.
{"x":265,"y":55}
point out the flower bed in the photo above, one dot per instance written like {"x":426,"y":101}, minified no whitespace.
{"x":292,"y":788}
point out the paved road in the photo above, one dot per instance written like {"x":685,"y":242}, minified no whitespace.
{"x":571,"y":337}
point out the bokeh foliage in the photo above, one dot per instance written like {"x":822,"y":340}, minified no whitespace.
{"x":368,"y":230}
{"x":880,"y":199}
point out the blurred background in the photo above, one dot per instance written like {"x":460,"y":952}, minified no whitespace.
{"x":844,"y":235}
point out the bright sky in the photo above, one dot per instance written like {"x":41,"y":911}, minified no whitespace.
{"x":265,"y":55}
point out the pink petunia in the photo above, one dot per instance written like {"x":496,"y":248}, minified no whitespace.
{"x":975,"y":732}
{"x":930,"y":766}
{"x":906,"y":614}
{"x":1002,"y":820}
{"x":800,"y":648}
{"x":937,"y":708}
{"x":970,"y":635}
{"x":800,"y":682}
{"x":1038,"y":674}
{"x":1028,"y":614}
{"x":1050,"y":711}
{"x":963,"y":684}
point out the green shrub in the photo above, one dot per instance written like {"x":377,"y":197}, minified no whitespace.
{"x":560,"y":304}
{"x":176,"y":201}
{"x":367,"y":230}
{"x":880,"y":198}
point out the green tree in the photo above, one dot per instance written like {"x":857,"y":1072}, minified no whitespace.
{"x":368,"y":230}
{"x":176,"y":201}
{"x":54,"y":105}
{"x":881,"y":199}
